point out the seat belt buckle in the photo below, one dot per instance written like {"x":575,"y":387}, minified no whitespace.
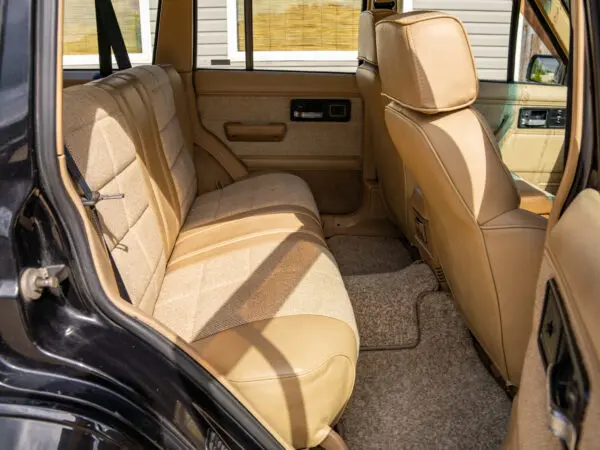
{"x":97,"y":197}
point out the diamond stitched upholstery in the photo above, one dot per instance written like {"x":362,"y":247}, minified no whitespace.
{"x":243,"y":269}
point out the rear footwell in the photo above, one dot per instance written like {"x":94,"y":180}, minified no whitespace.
{"x":434,"y":394}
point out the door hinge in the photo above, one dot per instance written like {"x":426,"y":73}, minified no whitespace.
{"x":35,"y":279}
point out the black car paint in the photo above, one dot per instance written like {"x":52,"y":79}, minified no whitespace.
{"x":69,"y":372}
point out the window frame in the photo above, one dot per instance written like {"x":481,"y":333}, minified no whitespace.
{"x":250,"y":56}
{"x":79,"y":62}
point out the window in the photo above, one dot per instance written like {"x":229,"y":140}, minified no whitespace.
{"x":488,"y":24}
{"x":137,"y":19}
{"x":305,"y":35}
{"x":536,"y":57}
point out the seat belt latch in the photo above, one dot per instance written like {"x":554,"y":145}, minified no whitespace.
{"x":97,"y":197}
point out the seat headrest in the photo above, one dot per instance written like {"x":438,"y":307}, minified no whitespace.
{"x":367,"y":50}
{"x":425,"y":62}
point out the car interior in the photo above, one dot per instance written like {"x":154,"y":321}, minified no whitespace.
{"x":354,"y":256}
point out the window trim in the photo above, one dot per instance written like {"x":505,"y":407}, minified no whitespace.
{"x":72,"y":62}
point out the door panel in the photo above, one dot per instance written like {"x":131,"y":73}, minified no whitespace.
{"x":327,"y":154}
{"x":572,"y":261}
{"x":535,"y":154}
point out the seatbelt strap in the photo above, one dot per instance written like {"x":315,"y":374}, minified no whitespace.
{"x":110,"y":37}
{"x":90,"y":199}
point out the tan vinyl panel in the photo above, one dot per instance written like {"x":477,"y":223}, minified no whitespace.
{"x":175,"y":36}
{"x":303,"y":140}
{"x":329,"y":152}
{"x":367,"y":48}
{"x":395,"y":183}
{"x":572,"y":259}
{"x":533,"y":198}
{"x":536,"y":155}
{"x":577,"y":60}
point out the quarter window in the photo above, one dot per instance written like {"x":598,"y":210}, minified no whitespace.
{"x":137,"y":19}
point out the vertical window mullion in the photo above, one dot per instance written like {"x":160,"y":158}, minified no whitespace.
{"x":512,"y":40}
{"x":248,"y":35}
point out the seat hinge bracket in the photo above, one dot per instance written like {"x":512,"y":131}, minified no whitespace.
{"x":35,"y":279}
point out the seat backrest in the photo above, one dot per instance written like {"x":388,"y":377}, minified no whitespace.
{"x":175,"y":132}
{"x":489,"y":249}
{"x":128,"y":134}
{"x":388,"y":164}
{"x":109,"y":151}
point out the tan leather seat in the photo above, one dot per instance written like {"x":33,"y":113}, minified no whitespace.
{"x":395,"y":185}
{"x":490,"y":249}
{"x":242,"y":274}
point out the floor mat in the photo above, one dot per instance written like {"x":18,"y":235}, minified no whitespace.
{"x":358,"y":255}
{"x":437,"y":395}
{"x":385,"y":305}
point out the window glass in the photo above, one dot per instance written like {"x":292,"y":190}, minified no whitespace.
{"x":217,"y":46}
{"x":536,"y":59}
{"x":307,"y":35}
{"x":137,"y":19}
{"x":304,"y":35}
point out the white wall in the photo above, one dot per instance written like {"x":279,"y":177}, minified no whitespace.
{"x":488,"y":25}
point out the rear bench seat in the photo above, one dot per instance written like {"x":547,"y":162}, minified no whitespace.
{"x":243,"y":273}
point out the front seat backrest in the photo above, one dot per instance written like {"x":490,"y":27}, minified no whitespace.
{"x":489,"y":249}
{"x":388,"y":164}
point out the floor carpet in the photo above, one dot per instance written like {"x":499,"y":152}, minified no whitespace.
{"x":385,"y":305}
{"x":358,"y":255}
{"x":434,"y":393}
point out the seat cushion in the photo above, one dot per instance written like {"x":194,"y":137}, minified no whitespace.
{"x":284,"y":276}
{"x":274,"y":318}
{"x":252,"y":195}
{"x":284,"y":363}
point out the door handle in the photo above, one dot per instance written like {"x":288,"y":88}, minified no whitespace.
{"x":250,"y":132}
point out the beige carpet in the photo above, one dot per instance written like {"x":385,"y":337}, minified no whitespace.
{"x":357,"y":255}
{"x":384,"y":286}
{"x":432,"y":394}
{"x":385,"y":305}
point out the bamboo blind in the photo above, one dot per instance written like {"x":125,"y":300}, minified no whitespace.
{"x":80,"y":36}
{"x":302,"y":25}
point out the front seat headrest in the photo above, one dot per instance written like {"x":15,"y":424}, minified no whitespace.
{"x":367,"y":50}
{"x":425,"y":62}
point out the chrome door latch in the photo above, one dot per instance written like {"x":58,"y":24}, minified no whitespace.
{"x":34,"y":280}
